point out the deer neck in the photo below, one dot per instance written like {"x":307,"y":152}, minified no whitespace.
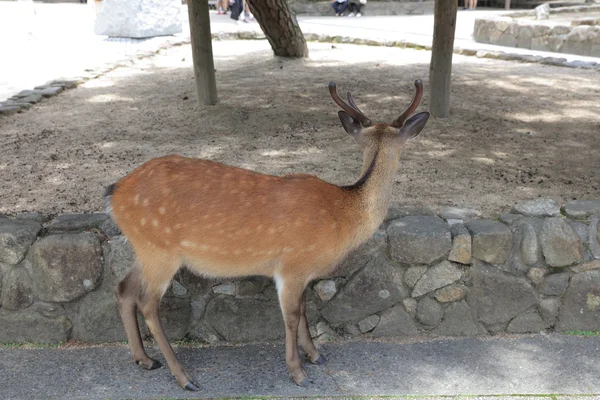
{"x":373,"y":191}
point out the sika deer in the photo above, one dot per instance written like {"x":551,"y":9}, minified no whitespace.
{"x":223,"y":221}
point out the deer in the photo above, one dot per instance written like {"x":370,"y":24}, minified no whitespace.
{"x":223,"y":221}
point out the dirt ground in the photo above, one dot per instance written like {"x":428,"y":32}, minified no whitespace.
{"x":516,"y":132}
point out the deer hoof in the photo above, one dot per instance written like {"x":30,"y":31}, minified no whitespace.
{"x":305,"y":383}
{"x":191,"y":386}
{"x":320,"y":361}
{"x":154,"y":365}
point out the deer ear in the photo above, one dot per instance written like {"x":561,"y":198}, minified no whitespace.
{"x":350,"y":124}
{"x":413,"y":126}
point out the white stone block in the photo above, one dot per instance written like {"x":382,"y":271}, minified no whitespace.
{"x":139,"y":18}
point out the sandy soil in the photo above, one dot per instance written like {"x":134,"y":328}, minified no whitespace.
{"x":517,"y":131}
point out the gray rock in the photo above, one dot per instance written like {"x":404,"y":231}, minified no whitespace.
{"x":110,"y":228}
{"x":66,"y":266}
{"x":450,"y":293}
{"x":29,"y":326}
{"x":580,"y":309}
{"x":497,"y":297}
{"x":509,"y":219}
{"x":460,"y":320}
{"x":97,"y":319}
{"x":536,"y":274}
{"x":491,"y":240}
{"x":549,"y":309}
{"x":178,"y":289}
{"x":201,"y":330}
{"x":361,"y":256}
{"x":51,"y":91}
{"x":15,"y":238}
{"x":594,"y":240}
{"x":253,"y":286}
{"x":529,"y":322}
{"x":49,"y":310}
{"x":582,"y":208}
{"x":395,"y":322}
{"x":429,"y":312}
{"x":32,"y":217}
{"x":76,"y":222}
{"x":17,"y":293}
{"x":118,"y":259}
{"x":531,"y":250}
{"x":413,"y":274}
{"x":175,"y":315}
{"x":436,"y":277}
{"x":376,"y":287}
{"x":322,"y":332}
{"x":326,"y":289}
{"x":25,"y":93}
{"x":464,"y":214}
{"x":67,"y":84}
{"x":555,"y":284}
{"x":227,"y":288}
{"x":398,"y":211}
{"x":245,"y":320}
{"x":461,"y":245}
{"x":410,"y":305}
{"x":586,"y":266}
{"x":352,"y":330}
{"x":368,"y":324}
{"x":9,"y":109}
{"x":419,"y":240}
{"x":32,"y":98}
{"x":581,"y":64}
{"x":560,"y":243}
{"x":538,"y":208}
{"x":582,"y":231}
{"x":557,"y":61}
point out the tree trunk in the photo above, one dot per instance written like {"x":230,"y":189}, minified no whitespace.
{"x":280,"y":26}
{"x":440,"y":69}
{"x":204,"y":67}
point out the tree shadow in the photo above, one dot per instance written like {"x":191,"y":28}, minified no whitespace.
{"x":516,"y":131}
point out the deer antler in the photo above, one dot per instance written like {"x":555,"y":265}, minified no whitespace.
{"x":398,"y":122}
{"x":350,"y":109}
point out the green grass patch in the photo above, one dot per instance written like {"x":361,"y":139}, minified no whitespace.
{"x":583,"y":333}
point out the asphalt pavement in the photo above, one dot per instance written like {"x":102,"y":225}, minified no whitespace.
{"x":542,"y":366}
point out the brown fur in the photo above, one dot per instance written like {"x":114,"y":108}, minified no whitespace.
{"x":225,"y":221}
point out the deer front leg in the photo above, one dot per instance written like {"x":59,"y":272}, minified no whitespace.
{"x":290,"y":298}
{"x":151,"y":315}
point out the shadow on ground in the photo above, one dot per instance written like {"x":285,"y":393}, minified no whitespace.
{"x":516,"y":131}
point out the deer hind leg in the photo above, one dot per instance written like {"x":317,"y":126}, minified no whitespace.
{"x":290,"y":293}
{"x":304,"y":338}
{"x":157,"y":271}
{"x":128,"y":293}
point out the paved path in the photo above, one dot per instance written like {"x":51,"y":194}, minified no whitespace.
{"x":540,"y":365}
{"x":40,"y":42}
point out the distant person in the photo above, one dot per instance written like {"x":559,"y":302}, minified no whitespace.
{"x":470,"y":4}
{"x":354,"y":7}
{"x":339,"y":6}
{"x":222,"y":6}
{"x":237,"y":10}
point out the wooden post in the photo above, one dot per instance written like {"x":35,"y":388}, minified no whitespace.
{"x":440,"y":69}
{"x":204,"y":67}
{"x":507,"y":4}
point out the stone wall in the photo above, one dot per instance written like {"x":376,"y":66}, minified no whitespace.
{"x":536,"y":268}
{"x":530,"y":34}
